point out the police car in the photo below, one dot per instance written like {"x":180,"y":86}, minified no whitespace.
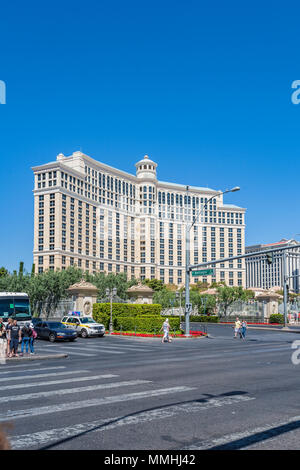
{"x":85,"y":326}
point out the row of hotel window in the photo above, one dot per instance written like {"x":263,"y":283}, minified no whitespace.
{"x":128,"y":189}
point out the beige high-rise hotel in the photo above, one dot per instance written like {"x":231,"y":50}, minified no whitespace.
{"x":102,"y":219}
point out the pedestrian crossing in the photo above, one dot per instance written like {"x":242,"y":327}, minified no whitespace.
{"x":85,"y":349}
{"x":67,"y":394}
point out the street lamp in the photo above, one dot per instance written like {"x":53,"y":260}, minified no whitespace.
{"x":188,"y":306}
{"x":111,"y":293}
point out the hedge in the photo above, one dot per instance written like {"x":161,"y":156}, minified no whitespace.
{"x":101,"y":312}
{"x":204,"y":318}
{"x":146,"y":323}
{"x":276,"y":318}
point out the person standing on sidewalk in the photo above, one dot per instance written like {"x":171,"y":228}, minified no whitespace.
{"x":2,"y":342}
{"x":32,"y":338}
{"x":15,"y":334}
{"x":26,"y":334}
{"x":8,"y":336}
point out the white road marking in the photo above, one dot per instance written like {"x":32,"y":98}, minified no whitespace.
{"x":16,"y":366}
{"x":32,"y":370}
{"x":57,"y":382}
{"x":37,"y":376}
{"x":68,"y":391}
{"x":70,"y":348}
{"x":230,"y":438}
{"x":19,"y":414}
{"x":53,"y":435}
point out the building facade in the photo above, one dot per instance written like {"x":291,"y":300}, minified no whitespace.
{"x":99,"y":218}
{"x":264,"y":275}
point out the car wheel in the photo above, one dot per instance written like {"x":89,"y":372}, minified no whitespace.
{"x":84,"y":333}
{"x":52,"y":337}
{"x":100,"y":336}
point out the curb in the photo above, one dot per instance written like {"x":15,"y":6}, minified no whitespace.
{"x":34,"y":358}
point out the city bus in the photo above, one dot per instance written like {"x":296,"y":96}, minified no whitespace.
{"x":15,"y":305}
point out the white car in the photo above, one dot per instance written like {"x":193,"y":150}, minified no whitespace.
{"x":85,"y":326}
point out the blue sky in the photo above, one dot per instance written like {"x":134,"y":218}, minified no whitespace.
{"x":203,"y":88}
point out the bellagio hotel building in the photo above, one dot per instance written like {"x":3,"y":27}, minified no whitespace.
{"x":102,"y":219}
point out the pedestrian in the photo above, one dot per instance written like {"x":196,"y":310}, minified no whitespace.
{"x":243,"y":329}
{"x":166,"y":328}
{"x":237,"y":326}
{"x":2,"y":342}
{"x":26,"y":334}
{"x":32,"y":338}
{"x":8,"y":336}
{"x":15,"y":335}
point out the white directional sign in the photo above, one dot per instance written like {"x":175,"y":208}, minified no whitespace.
{"x":188,"y":308}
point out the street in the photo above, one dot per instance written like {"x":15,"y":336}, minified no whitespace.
{"x":122,"y":393}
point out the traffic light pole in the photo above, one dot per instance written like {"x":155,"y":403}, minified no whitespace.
{"x":284,"y":288}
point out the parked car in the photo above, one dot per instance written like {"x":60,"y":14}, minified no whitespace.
{"x":85,"y":326}
{"x":54,"y":331}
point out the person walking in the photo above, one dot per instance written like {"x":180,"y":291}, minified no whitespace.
{"x":244,"y":329}
{"x":166,"y":328}
{"x":2,"y":343}
{"x":8,"y":336}
{"x":15,"y":335}
{"x":26,"y":334}
{"x":237,"y":326}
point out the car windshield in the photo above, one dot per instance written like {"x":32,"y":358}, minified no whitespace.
{"x":87,"y":320}
{"x":56,"y":325}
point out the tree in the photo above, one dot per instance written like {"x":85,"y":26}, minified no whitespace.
{"x":155,"y":284}
{"x":3,"y":272}
{"x":227,"y":295}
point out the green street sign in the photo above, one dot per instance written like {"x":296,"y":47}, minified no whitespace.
{"x":204,"y":272}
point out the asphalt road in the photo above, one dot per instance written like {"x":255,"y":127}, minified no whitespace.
{"x":117,"y":393}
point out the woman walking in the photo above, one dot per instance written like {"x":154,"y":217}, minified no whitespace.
{"x":243,"y":330}
{"x":166,"y":327}
{"x":237,"y":326}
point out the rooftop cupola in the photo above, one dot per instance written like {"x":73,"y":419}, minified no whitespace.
{"x":146,"y":168}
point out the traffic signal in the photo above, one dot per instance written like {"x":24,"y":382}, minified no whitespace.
{"x":269,"y":258}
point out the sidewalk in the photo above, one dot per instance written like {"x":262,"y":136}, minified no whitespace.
{"x":280,"y":328}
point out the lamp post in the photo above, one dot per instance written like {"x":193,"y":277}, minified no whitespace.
{"x":178,"y":296}
{"x":188,"y":306}
{"x":111,"y":293}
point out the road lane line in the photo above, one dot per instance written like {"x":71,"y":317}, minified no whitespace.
{"x":32,"y":370}
{"x":29,"y":413}
{"x":70,"y":348}
{"x":53,"y":435}
{"x":68,"y":391}
{"x":37,"y":376}
{"x":57,"y":382}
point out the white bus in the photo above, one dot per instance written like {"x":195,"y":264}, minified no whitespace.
{"x":15,"y":305}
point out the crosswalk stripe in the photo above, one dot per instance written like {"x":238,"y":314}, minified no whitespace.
{"x":19,"y":414}
{"x":54,"y":435}
{"x":32,"y":370}
{"x":57,"y":382}
{"x":126,"y":348}
{"x":37,"y":376}
{"x":2,"y":368}
{"x":68,"y":348}
{"x":68,"y":391}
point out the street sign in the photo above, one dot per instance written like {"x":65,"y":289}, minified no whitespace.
{"x":204,"y":272}
{"x":188,"y":308}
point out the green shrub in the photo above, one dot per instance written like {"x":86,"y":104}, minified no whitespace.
{"x":204,"y":318}
{"x":145,"y":323}
{"x":276,"y":318}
